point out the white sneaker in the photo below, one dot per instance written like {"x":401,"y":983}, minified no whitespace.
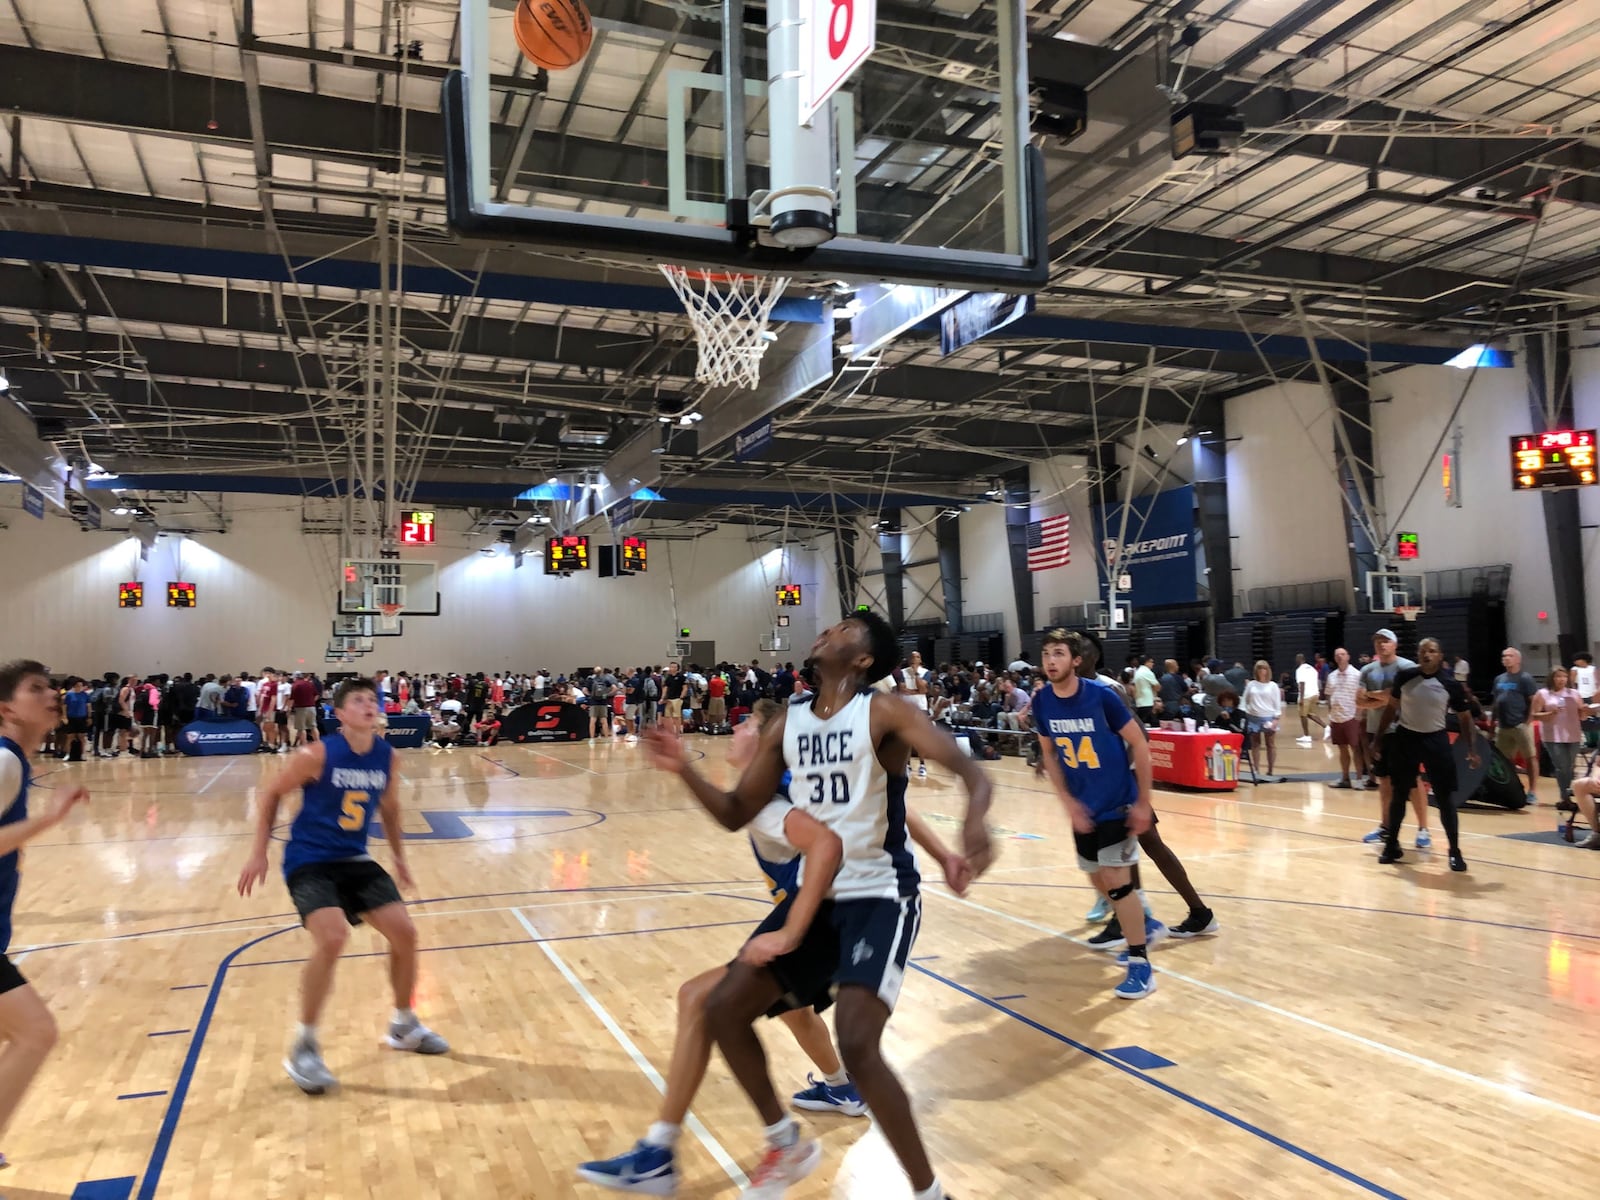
{"x":781,"y":1166}
{"x":1302,"y":741}
{"x":1327,"y":733}
{"x":416,"y":1037}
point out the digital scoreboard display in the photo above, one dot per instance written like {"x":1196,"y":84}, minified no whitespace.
{"x":635,"y":554}
{"x":180,"y":595}
{"x":1557,"y":458}
{"x":1407,"y":545}
{"x":416,"y":528}
{"x":130,"y":595}
{"x":788,"y":595}
{"x":568,"y":552}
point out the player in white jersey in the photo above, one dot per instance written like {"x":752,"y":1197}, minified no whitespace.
{"x":846,"y":748}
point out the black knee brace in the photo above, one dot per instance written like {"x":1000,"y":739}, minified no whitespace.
{"x":1119,"y":893}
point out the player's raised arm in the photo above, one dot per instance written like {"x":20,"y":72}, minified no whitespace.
{"x":823,"y":852}
{"x":757,"y":785}
{"x":912,"y":726}
{"x":304,"y":766}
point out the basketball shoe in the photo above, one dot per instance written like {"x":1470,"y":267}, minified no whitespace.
{"x":781,"y":1166}
{"x":645,"y":1170}
{"x":822,"y":1096}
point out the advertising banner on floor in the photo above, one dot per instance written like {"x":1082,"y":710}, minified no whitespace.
{"x":202,"y":739}
{"x":1161,"y":555}
{"x":408,"y":732}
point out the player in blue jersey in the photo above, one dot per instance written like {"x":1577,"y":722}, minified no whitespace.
{"x":344,"y":780}
{"x":29,"y":709}
{"x":1097,"y":758}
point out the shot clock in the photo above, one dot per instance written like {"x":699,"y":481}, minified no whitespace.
{"x":416,"y":528}
{"x":1557,"y":458}
{"x":564,"y":553}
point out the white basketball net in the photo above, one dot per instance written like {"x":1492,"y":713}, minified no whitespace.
{"x":389,"y":616}
{"x":730,"y":314}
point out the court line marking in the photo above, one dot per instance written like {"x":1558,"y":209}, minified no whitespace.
{"x":206,"y":787}
{"x":691,"y":1122}
{"x":1144,"y":1077}
{"x":1456,"y":1073}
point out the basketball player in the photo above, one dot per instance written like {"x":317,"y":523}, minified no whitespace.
{"x":781,"y":835}
{"x":911,"y":682}
{"x":29,"y":709}
{"x":345,"y":779}
{"x":1098,"y":760}
{"x":1419,"y":699}
{"x":846,"y":748}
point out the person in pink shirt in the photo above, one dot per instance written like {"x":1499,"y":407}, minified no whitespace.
{"x":1560,"y":712}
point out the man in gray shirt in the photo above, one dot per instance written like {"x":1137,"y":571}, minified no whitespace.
{"x":1377,"y":681}
{"x":1514,"y":690}
{"x":210,"y":706}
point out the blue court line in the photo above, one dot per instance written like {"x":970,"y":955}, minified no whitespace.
{"x":180,"y":1090}
{"x":139,"y":1095}
{"x":169,"y":1032}
{"x":1136,"y":1056}
{"x":1381,"y":912}
{"x":105,"y":1189}
{"x":1177,"y":1094}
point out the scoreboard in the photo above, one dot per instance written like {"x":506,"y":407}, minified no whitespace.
{"x":788,"y":595}
{"x":566,"y":552}
{"x":1407,"y":545}
{"x":180,"y":595}
{"x":416,"y":528}
{"x":130,"y":595}
{"x":1557,"y":458}
{"x":635,"y":554}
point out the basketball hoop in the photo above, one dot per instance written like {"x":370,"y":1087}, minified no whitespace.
{"x":729,"y":314}
{"x":1407,"y":612}
{"x":389,"y":616}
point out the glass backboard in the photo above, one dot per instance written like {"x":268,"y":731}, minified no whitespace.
{"x":651,"y":150}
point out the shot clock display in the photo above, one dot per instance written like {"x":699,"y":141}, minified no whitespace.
{"x":130,"y":595}
{"x":635,"y":554}
{"x":416,"y":528}
{"x":180,"y":595}
{"x":788,"y":595}
{"x":566,"y":552}
{"x":1407,"y":545}
{"x":1557,"y":458}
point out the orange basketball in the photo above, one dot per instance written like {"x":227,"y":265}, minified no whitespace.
{"x":555,"y":34}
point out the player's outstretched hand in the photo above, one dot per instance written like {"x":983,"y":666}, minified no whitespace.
{"x":65,"y":801}
{"x":254,"y":872}
{"x":764,"y":947}
{"x":665,"y":750}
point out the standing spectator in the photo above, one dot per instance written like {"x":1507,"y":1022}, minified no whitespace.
{"x":1263,"y":709}
{"x":1145,"y":684}
{"x":1174,"y":692}
{"x":672,"y":688}
{"x":303,"y":710}
{"x":1308,"y":690}
{"x":1377,"y":686}
{"x":251,"y":707}
{"x":1584,"y":683}
{"x":1343,"y":684}
{"x":267,"y":710}
{"x":601,"y":685}
{"x":1015,"y":704}
{"x":1461,"y":670}
{"x":235,"y":699}
{"x":1236,"y":677}
{"x":1514,"y":691}
{"x":717,"y":699}
{"x":1560,"y":709}
{"x":209,"y":707}
{"x":77,"y":704}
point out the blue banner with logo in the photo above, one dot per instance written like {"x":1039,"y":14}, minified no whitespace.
{"x":408,"y":733}
{"x":1161,"y":555}
{"x":205,"y":738}
{"x":32,"y":501}
{"x":621,"y":512}
{"x":752,"y":441}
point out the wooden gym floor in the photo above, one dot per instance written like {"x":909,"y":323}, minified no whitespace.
{"x":1354,"y":1028}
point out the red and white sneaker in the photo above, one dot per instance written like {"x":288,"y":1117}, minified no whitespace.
{"x":781,"y":1166}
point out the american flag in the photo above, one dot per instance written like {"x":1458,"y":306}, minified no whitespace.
{"x":1049,"y":543}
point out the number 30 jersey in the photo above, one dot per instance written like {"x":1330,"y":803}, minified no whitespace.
{"x":336,"y":811}
{"x":836,"y":778}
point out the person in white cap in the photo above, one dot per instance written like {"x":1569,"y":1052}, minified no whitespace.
{"x":1377,"y":682}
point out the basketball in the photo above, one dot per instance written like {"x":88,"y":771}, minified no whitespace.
{"x":554,"y":34}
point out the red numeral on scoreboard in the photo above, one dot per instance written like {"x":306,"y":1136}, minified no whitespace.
{"x":837,"y":37}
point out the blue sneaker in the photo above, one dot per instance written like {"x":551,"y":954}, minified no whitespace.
{"x":1424,"y":840}
{"x":1141,"y":981}
{"x":647,"y":1170}
{"x":1154,"y":931}
{"x":1100,"y":912}
{"x":1377,"y":835}
{"x":822,"y":1096}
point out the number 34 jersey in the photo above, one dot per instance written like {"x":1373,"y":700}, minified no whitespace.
{"x":835,"y":777}
{"x":1086,"y":729}
{"x":336,"y":811}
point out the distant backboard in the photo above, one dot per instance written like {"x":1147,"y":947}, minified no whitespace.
{"x":652,"y":150}
{"x":1393,"y":591}
{"x":364,"y":585}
